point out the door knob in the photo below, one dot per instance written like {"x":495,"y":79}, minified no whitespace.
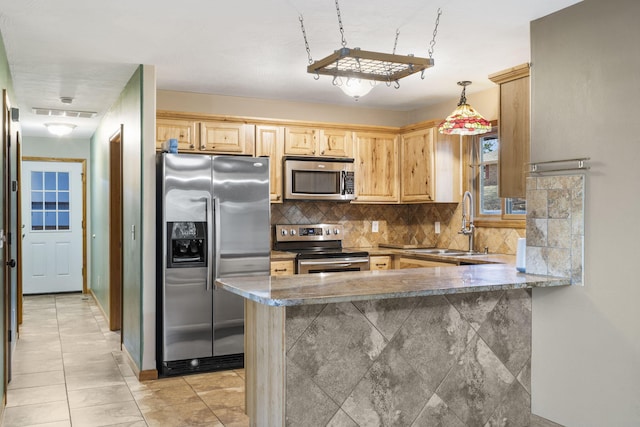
{"x":11,"y":263}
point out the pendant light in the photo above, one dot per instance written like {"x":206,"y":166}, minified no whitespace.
{"x":464,"y":120}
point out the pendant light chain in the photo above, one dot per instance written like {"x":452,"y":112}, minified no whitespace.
{"x":395,"y":44}
{"x":435,"y":32}
{"x":306,"y":43}
{"x":344,"y":41}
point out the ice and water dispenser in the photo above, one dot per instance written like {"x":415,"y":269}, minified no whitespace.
{"x":187,"y":244}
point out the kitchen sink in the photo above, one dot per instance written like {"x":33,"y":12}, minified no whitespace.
{"x":444,"y":252}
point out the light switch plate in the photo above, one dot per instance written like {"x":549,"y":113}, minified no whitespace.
{"x":437,"y":227}
{"x":374,"y":226}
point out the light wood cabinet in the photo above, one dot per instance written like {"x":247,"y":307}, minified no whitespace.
{"x":430,"y":167}
{"x":380,"y":262}
{"x":182,"y":130}
{"x":416,"y":167}
{"x":447,"y":167}
{"x":206,"y":136}
{"x":269,"y":143}
{"x":408,"y":262}
{"x":308,"y":141}
{"x":376,"y":164}
{"x":336,"y":143}
{"x":513,"y":129}
{"x":282,"y":268}
{"x":227,"y":138}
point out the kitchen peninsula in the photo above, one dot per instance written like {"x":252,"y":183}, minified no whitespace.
{"x":418,"y":347}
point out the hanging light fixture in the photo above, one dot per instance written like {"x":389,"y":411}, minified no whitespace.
{"x":464,"y":120}
{"x":357,"y":71}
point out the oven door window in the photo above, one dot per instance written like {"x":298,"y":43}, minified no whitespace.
{"x":315,"y":182}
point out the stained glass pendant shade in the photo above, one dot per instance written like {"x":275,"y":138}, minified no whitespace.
{"x":464,"y":120}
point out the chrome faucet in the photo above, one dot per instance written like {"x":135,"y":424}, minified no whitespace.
{"x":467,"y":218}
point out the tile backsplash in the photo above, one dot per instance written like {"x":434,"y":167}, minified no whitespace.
{"x":397,"y":224}
{"x":555,"y":226}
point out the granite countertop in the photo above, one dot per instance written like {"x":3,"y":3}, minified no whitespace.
{"x":370,"y":285}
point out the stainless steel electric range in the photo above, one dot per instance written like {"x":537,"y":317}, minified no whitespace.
{"x":319,"y":248}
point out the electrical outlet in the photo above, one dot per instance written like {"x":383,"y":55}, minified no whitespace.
{"x":374,"y":226}
{"x":437,"y":227}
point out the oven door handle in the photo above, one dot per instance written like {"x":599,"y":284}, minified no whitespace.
{"x":337,"y":263}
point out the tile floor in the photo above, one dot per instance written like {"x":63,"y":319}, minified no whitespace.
{"x":68,"y":371}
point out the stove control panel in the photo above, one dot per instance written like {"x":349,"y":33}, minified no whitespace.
{"x":308,"y":232}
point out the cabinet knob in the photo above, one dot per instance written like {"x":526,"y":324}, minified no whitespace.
{"x":322,"y":152}
{"x":192,"y":146}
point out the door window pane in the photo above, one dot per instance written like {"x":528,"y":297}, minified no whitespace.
{"x":37,"y":221}
{"x":63,"y":180}
{"x":63,"y":201}
{"x":37,"y":200}
{"x":37,"y":180}
{"x":50,"y":180}
{"x":50,"y":221}
{"x":63,"y":221}
{"x":50,"y":201}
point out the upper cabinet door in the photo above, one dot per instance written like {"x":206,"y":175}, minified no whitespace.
{"x":376,"y":158}
{"x":269,"y":143}
{"x":227,"y":138}
{"x":514,"y":130}
{"x":336,"y":143}
{"x":301,"y":141}
{"x":417,"y":167}
{"x":182,"y":130}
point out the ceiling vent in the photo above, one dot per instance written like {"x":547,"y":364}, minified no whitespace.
{"x":51,"y":112}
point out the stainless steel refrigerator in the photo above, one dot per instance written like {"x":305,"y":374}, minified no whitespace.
{"x":213,"y":221}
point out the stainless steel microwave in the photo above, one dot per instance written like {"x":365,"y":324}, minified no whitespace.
{"x":318,"y":178}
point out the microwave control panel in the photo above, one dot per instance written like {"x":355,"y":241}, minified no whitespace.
{"x":349,"y":182}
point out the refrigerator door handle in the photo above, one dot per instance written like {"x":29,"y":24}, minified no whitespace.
{"x":208,"y":209}
{"x":216,"y":226}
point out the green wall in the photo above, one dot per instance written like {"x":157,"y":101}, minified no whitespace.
{"x":126,"y":111}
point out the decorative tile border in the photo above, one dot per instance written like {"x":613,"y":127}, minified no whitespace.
{"x":555,"y":226}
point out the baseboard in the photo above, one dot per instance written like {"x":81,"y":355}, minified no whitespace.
{"x":95,"y":299}
{"x":144,"y":375}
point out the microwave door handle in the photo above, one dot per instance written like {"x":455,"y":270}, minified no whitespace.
{"x":343,"y":188}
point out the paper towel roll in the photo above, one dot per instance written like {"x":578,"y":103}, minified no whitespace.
{"x":521,"y":255}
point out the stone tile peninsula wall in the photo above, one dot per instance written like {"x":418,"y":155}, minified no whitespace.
{"x":428,"y":346}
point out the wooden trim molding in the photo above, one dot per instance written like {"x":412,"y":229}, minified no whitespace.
{"x":513,"y":73}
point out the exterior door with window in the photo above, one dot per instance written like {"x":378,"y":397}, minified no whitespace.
{"x":52,"y":227}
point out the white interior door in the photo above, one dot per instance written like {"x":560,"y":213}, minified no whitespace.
{"x":52,"y":227}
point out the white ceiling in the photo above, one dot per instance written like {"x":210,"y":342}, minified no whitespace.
{"x":254,"y":48}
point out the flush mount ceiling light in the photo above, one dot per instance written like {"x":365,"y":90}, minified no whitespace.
{"x":60,"y":129}
{"x":464,"y":120}
{"x":357,"y":71}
